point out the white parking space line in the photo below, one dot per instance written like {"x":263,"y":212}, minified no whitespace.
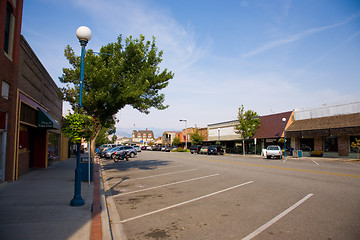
{"x":186,"y":202}
{"x":315,"y":162}
{"x":356,"y":164}
{"x":154,"y":169}
{"x":169,"y":184}
{"x":158,"y":175}
{"x":278,"y":217}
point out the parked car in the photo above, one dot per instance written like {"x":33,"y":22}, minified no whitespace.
{"x":169,"y":148}
{"x":204,"y":150}
{"x":107,"y":146}
{"x":149,"y":148}
{"x":143,"y":147}
{"x":130,"y":150}
{"x":163,"y":148}
{"x":103,"y":153}
{"x":195,"y":149}
{"x":137,"y":148}
{"x":110,"y":152}
{"x":273,"y":151}
{"x":215,"y":149}
{"x":156,"y":148}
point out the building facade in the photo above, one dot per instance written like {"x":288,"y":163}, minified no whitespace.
{"x":168,"y":138}
{"x":10,"y":29}
{"x":142,"y":137}
{"x":30,"y":108}
{"x":270,"y":131}
{"x":328,"y":129}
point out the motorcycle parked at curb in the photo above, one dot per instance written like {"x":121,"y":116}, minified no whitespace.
{"x":120,"y":156}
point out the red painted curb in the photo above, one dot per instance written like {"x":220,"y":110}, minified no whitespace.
{"x":96,"y":225}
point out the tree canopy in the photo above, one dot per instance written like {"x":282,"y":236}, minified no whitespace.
{"x":248,"y":123}
{"x":123,"y":73}
{"x":196,"y":138}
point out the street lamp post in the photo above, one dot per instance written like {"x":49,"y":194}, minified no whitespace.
{"x":184,"y":120}
{"x":84,"y":35}
{"x":219,"y":135}
{"x":284,"y":120}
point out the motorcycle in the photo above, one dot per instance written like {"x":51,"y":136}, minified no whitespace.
{"x":120,"y":156}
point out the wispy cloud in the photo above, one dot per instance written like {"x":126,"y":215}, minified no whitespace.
{"x":319,"y":59}
{"x":297,"y":37}
{"x":127,"y":17}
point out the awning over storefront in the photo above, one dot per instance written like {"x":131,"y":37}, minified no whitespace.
{"x":326,"y":126}
{"x":44,"y":120}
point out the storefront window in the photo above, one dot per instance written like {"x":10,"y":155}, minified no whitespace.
{"x":307,"y":144}
{"x":331,"y":144}
{"x":53,"y":146}
{"x":353,"y":140}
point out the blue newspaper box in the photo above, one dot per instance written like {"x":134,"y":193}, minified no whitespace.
{"x":84,"y":166}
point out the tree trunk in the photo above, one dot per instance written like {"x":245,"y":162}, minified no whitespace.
{"x":93,"y":143}
{"x":243,"y":147}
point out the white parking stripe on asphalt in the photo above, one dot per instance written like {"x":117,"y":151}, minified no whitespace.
{"x":275,"y":219}
{"x":315,"y":162}
{"x":158,"y":175}
{"x":169,"y":184}
{"x":144,"y":170}
{"x":186,"y":202}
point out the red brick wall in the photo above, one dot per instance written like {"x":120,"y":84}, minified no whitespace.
{"x":318,"y":144}
{"x":23,"y":162}
{"x":343,"y":145}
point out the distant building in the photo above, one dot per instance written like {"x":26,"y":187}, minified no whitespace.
{"x":270,"y":131}
{"x":142,"y":137}
{"x":190,"y":131}
{"x":168,"y":137}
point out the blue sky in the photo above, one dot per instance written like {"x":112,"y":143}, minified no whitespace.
{"x":269,"y":55}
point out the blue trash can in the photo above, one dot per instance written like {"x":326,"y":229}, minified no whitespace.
{"x":300,"y":153}
{"x":84,"y":166}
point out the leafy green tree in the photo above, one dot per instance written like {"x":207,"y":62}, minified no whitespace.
{"x":124,"y":73}
{"x":113,"y":138}
{"x":176,"y":141}
{"x":356,"y":145}
{"x":101,"y":138}
{"x":248,"y":123}
{"x":196,"y":138}
{"x":79,"y":126}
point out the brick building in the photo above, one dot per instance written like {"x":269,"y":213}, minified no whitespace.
{"x":328,"y":129}
{"x":30,"y":109}
{"x":10,"y":29}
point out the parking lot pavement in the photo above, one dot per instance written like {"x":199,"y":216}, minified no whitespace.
{"x":166,"y":195}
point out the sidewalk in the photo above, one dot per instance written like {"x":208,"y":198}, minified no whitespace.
{"x":37,"y":206}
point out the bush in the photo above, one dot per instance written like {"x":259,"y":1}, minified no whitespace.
{"x":181,"y":150}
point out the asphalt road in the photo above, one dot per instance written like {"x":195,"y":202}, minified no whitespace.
{"x":160,"y":195}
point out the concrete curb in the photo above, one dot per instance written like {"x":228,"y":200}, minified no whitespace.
{"x":113,"y":218}
{"x":96,"y":225}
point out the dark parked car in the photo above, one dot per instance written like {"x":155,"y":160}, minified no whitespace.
{"x":195,"y":149}
{"x":215,"y":149}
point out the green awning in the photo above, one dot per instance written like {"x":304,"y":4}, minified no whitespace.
{"x":44,"y":120}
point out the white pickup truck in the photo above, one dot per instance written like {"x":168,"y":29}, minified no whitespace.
{"x":273,"y":151}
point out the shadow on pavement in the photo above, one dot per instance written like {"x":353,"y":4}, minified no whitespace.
{"x":37,"y":206}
